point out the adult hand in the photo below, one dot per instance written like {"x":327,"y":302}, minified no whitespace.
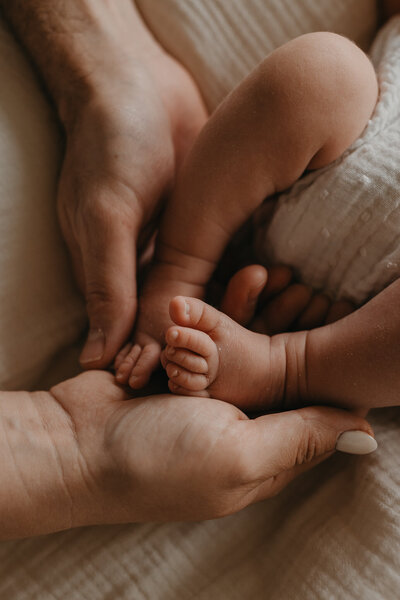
{"x":88,"y":453}
{"x":121,"y":156}
{"x":130,"y":114}
{"x":268,"y":302}
{"x":175,"y":458}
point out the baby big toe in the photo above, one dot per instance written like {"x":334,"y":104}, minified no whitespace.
{"x":127,"y":364}
{"x":192,"y":312}
{"x":147,"y":362}
{"x":186,"y":379}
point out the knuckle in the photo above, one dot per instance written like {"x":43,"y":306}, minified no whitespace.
{"x":96,"y":211}
{"x":99,"y":296}
{"x":102,"y":299}
{"x":311,"y":443}
{"x":239,"y":473}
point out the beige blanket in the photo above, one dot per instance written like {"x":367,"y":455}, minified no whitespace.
{"x":335,"y":532}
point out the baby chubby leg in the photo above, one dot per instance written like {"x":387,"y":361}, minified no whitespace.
{"x":299,"y":109}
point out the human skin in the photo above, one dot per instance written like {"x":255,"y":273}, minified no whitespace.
{"x":130,"y":113}
{"x":129,"y":121}
{"x":350,"y":363}
{"x":88,"y":453}
{"x":284,"y":118}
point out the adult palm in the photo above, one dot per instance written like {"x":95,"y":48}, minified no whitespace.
{"x":166,"y":457}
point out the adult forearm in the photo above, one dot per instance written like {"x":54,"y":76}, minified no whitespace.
{"x":42,"y":475}
{"x":80,"y":46}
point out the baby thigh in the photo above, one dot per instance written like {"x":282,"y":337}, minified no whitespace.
{"x":300,"y":108}
{"x":316,"y":95}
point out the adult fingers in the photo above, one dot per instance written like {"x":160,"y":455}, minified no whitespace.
{"x":338,"y":310}
{"x":283,"y":310}
{"x":279,"y":277}
{"x":276,"y":448}
{"x":248,"y":286}
{"x":109,"y":264}
{"x":315,"y":313}
{"x":73,"y":246}
{"x":240,"y":298}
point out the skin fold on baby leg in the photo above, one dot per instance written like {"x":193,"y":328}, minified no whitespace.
{"x":284,"y":118}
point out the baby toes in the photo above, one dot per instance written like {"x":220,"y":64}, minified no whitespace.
{"x":177,"y":389}
{"x":185,"y":358}
{"x":190,"y":339}
{"x":194,"y":382}
{"x":125,"y":362}
{"x":195,"y":353}
{"x":146,"y":363}
{"x":121,"y":355}
{"x":194,"y":313}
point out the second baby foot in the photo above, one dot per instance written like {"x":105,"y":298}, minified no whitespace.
{"x":136,"y":362}
{"x":208,"y":354}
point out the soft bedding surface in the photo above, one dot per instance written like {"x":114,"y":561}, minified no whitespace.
{"x":332,"y":534}
{"x":41,"y":312}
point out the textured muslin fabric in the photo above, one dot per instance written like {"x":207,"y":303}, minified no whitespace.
{"x":41,"y":311}
{"x":339,"y":227}
{"x":333,"y":533}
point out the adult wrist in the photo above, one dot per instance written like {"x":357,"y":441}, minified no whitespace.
{"x":81,"y":46}
{"x":42,"y":482}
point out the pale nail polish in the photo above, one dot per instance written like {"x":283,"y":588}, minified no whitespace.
{"x":356,"y":442}
{"x":174,"y":334}
{"x":175,"y":373}
{"x":187,"y":308}
{"x":94,"y":347}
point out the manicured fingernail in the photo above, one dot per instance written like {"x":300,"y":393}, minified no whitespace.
{"x":174,"y":334}
{"x":175,"y":373}
{"x":94,"y":347}
{"x":187,"y":308}
{"x":356,"y":442}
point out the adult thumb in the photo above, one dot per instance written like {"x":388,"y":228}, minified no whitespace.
{"x":109,"y":265}
{"x":281,"y":446}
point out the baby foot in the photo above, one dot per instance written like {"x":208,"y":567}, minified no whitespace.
{"x":136,"y":361}
{"x":208,"y":354}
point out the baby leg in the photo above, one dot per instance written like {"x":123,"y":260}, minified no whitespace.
{"x":300,"y":109}
{"x":354,"y":362}
{"x":351,"y":363}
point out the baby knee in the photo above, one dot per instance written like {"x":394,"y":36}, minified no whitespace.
{"x":323,"y":83}
{"x":348,"y":92}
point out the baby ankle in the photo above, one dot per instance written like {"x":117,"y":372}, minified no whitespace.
{"x":295,"y":376}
